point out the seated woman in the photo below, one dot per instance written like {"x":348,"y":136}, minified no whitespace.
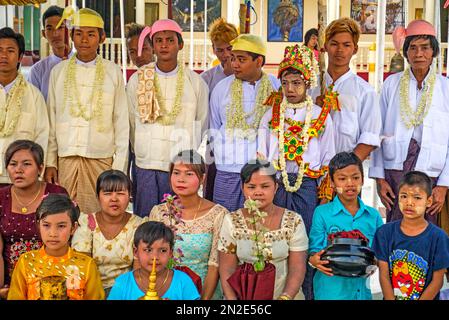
{"x":107,"y":235}
{"x":199,"y":223}
{"x":285,"y":239}
{"x":24,"y":161}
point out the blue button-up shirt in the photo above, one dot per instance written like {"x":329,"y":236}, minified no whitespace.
{"x":334,"y":217}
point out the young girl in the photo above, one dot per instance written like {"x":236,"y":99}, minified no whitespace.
{"x":154,"y":240}
{"x":200,"y":221}
{"x":286,"y":237}
{"x":56,"y":271}
{"x":107,"y":235}
{"x":412,"y":254}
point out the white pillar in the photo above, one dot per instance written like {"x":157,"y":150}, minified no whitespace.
{"x":140,"y":11}
{"x":3,"y":21}
{"x":10,"y":16}
{"x":122,"y":35}
{"x":406,"y":9}
{"x":232,"y":15}
{"x":192,"y":12}
{"x":429,"y":11}
{"x":437,"y":26}
{"x":83,"y":3}
{"x":203,"y":64}
{"x":380,"y":44}
{"x":333,"y":10}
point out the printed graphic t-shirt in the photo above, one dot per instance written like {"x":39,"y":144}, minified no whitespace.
{"x":411,"y":260}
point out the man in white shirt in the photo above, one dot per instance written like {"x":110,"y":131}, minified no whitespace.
{"x":237,"y":106}
{"x":89,"y":124}
{"x":24,"y":114}
{"x":357,"y":125}
{"x":221,"y":34}
{"x":40,"y":72}
{"x":415,"y":114}
{"x":168,"y":106}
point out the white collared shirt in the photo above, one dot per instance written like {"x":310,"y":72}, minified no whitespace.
{"x":74,"y":136}
{"x":156,"y":144}
{"x":359,"y":120}
{"x":232,"y":153}
{"x":433,"y":157}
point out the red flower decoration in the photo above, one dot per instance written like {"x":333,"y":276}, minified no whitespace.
{"x":353,"y":234}
{"x":295,"y":129}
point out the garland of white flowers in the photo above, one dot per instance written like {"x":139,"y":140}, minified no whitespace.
{"x":236,"y":117}
{"x":170,"y":118}
{"x":11,"y":110}
{"x":410,"y":118}
{"x":71,"y":92}
{"x":304,"y":136}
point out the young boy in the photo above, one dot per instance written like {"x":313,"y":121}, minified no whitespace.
{"x":89,"y":124}
{"x":168,"y":113}
{"x":154,"y":241}
{"x":133,"y":32}
{"x":308,"y":153}
{"x":23,"y":110}
{"x":40,"y":72}
{"x":412,"y":253}
{"x":345,"y":213}
{"x":221,"y":34}
{"x":358,"y":123}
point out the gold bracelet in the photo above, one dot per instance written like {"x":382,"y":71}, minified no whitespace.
{"x":284,"y":296}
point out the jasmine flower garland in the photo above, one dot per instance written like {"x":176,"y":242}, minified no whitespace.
{"x":11,"y":110}
{"x":71,"y":93}
{"x":304,"y":138}
{"x":170,"y":118}
{"x":410,"y":118}
{"x":236,"y":118}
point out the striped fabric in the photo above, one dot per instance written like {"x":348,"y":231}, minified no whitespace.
{"x":228,"y":190}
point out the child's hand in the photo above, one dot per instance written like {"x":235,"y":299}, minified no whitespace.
{"x":316,"y":261}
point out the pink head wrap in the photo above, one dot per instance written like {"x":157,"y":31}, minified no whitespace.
{"x":165,"y":25}
{"x":145,"y":32}
{"x":414,"y":28}
{"x":159,"y":25}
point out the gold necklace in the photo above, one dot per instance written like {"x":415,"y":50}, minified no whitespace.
{"x":163,"y":283}
{"x":24,"y":208}
{"x":198,"y":210}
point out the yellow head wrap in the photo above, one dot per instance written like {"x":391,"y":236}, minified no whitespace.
{"x":249,"y":43}
{"x":83,"y":18}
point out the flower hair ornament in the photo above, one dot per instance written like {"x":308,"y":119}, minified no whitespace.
{"x":301,"y":58}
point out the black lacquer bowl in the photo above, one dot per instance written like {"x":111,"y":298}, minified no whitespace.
{"x":350,"y":258}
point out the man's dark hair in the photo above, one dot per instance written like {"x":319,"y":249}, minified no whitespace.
{"x":52,"y":11}
{"x":433,"y":43}
{"x":342,"y":160}
{"x":419,"y":179}
{"x":254,"y":56}
{"x":8,"y":33}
